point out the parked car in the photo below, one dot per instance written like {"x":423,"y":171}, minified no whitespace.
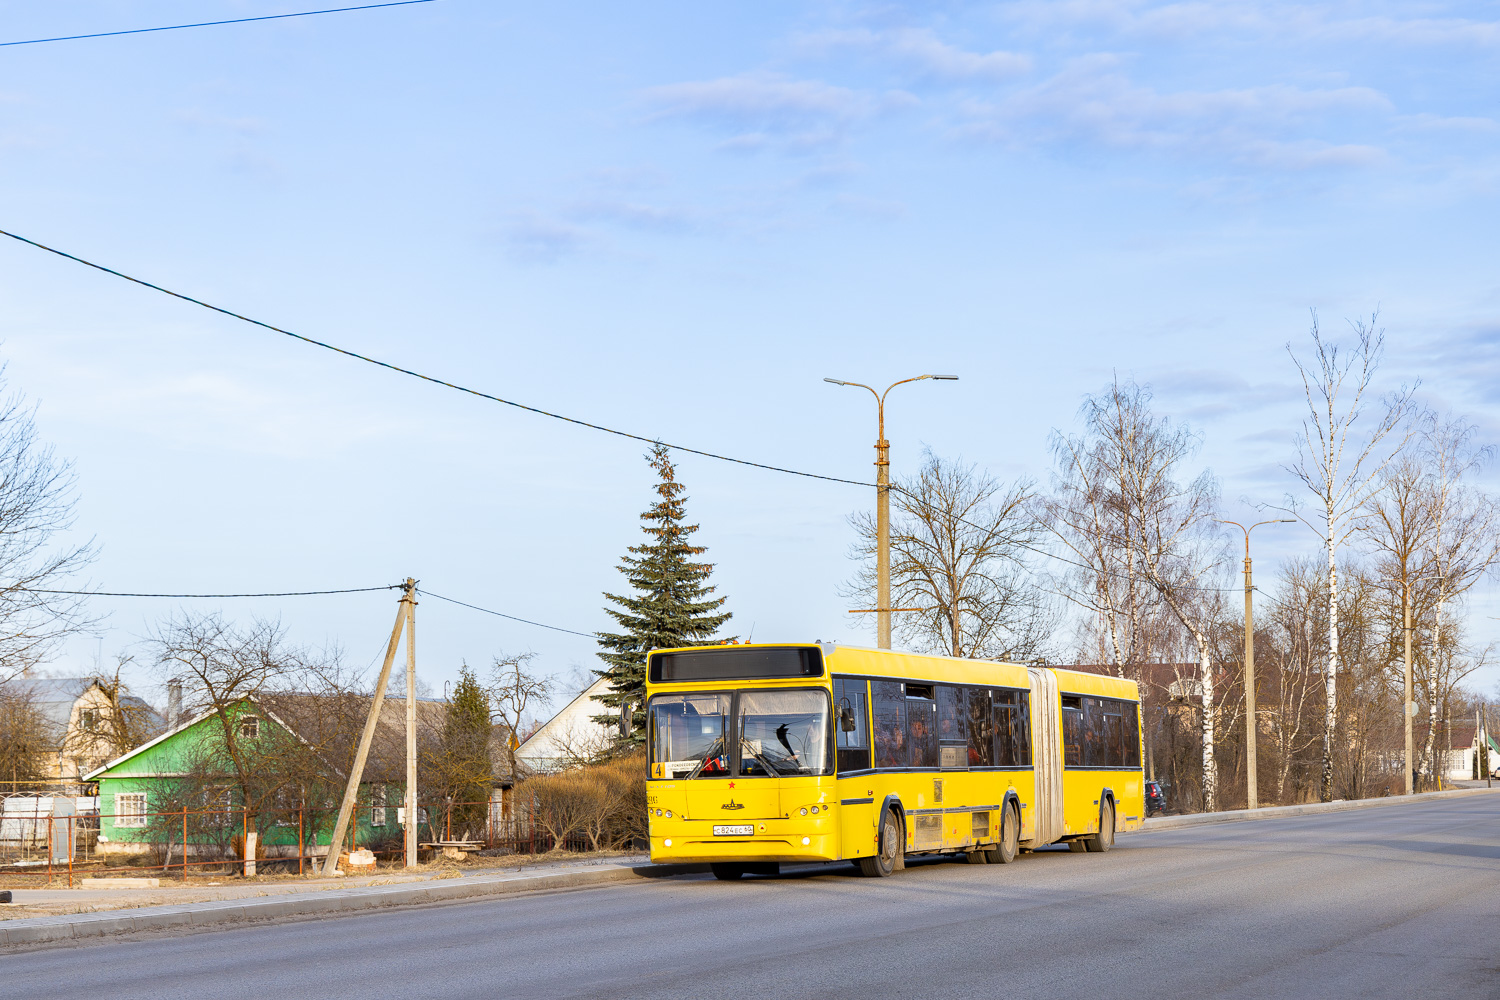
{"x":1156,"y":798}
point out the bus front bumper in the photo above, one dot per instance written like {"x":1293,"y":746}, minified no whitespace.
{"x":787,"y":848}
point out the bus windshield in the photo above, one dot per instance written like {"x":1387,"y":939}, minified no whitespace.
{"x":783,"y":732}
{"x":778,"y":733}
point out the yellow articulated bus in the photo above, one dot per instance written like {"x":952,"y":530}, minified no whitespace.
{"x":768,"y":754}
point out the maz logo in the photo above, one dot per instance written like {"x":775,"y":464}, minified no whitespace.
{"x":731,"y":804}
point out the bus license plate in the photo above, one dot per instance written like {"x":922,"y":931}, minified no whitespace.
{"x":739,"y":830}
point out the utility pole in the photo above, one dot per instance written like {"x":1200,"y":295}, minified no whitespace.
{"x":883,"y":607}
{"x":357,"y":771}
{"x":411,"y":724}
{"x":1252,"y":783}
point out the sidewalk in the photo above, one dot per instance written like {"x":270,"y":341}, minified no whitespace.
{"x":243,"y":904}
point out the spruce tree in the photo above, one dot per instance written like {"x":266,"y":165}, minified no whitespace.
{"x":464,"y":765}
{"x":671,"y":602}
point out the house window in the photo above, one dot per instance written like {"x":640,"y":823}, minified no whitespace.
{"x":377,"y":814}
{"x":87,"y":719}
{"x":130,"y":809}
{"x":249,"y":727}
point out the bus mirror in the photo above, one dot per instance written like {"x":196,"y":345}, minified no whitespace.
{"x":627,"y":717}
{"x":846,"y":718}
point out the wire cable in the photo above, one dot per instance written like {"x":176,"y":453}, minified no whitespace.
{"x":521,"y":406}
{"x":293,"y":593}
{"x":498,"y":614}
{"x":209,"y":24}
{"x":429,"y":378}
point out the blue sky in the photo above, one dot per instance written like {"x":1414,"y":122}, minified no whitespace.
{"x":676,"y":220}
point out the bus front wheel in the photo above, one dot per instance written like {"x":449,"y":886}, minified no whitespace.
{"x":1105,"y":838}
{"x":891,"y":848}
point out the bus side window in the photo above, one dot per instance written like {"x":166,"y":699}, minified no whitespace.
{"x":1132,"y":735}
{"x":850,"y":706}
{"x":1113,"y":734}
{"x":1072,"y":711}
{"x":888,"y":698}
{"x":1021,"y":733}
{"x":1095,"y":753}
{"x":1005,"y":713}
{"x":981,"y":728}
{"x":921,"y":725}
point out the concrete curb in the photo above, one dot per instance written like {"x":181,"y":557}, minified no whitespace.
{"x":1287,"y":812}
{"x":44,"y":931}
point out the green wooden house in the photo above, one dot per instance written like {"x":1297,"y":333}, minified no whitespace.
{"x":275,"y":764}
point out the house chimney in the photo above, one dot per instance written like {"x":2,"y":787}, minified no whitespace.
{"x":174,"y":703}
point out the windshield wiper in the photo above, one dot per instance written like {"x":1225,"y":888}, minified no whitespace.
{"x":746,"y":745}
{"x":708,"y":756}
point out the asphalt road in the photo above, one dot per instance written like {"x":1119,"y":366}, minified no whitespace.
{"x":1399,"y":901}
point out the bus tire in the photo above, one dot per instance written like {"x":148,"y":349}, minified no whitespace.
{"x":1010,"y":837}
{"x":1076,"y":846}
{"x":1105,"y":838}
{"x":728,"y":873}
{"x":891,"y":848}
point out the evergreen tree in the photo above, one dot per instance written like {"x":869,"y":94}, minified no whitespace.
{"x":464,"y":765}
{"x":670,"y":604}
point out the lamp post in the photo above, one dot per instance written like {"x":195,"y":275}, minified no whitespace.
{"x":1252,"y":787}
{"x":883,"y":507}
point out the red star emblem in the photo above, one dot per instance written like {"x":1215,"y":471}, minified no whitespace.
{"x":731,"y":784}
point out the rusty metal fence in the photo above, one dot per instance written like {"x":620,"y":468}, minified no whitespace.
{"x":56,"y":837}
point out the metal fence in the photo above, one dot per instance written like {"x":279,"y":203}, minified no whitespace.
{"x":57,"y":837}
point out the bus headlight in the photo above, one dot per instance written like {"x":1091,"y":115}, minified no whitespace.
{"x":669,"y":814}
{"x":806,"y":841}
{"x":815,"y":810}
{"x":803,"y":810}
{"x":667,"y":842}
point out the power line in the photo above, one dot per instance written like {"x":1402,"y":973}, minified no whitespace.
{"x":521,"y":406}
{"x":209,"y":24}
{"x":429,"y":378}
{"x":498,"y":614}
{"x":293,"y":593}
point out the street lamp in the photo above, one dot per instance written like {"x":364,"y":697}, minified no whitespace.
{"x":883,"y":507}
{"x":1252,"y":788}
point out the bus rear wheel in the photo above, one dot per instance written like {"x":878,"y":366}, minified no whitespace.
{"x":1010,"y":838}
{"x":1105,"y":838}
{"x":728,"y":873}
{"x":888,"y":856}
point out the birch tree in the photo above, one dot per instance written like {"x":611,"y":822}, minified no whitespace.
{"x":1170,"y":527}
{"x":1339,"y":460}
{"x":1086,"y":518}
{"x":1463,"y":544}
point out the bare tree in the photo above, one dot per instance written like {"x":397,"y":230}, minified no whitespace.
{"x":36,"y":505}
{"x":235,"y":674}
{"x":1087,"y":517}
{"x":957,"y":549}
{"x":1295,"y":628}
{"x":513,"y":691}
{"x":27,"y":739}
{"x":1464,"y":543}
{"x":1173,"y":538}
{"x":1340,"y":463}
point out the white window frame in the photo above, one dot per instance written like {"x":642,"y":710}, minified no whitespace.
{"x":377,"y":799}
{"x":249,"y":727}
{"x":134,"y":818}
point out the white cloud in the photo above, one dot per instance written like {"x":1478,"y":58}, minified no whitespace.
{"x":764,"y":102}
{"x":1301,"y":22}
{"x":921,"y":50}
{"x":1091,"y":101}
